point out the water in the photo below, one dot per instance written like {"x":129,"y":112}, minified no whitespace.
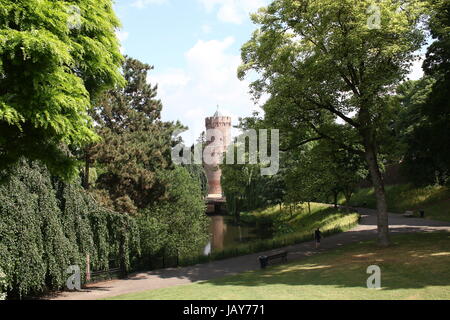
{"x":226,"y":233}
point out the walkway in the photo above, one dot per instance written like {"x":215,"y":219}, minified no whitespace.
{"x":366,"y":230}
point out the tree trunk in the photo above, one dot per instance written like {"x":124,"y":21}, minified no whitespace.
{"x":378,"y":184}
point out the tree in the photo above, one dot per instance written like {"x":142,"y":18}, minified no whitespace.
{"x":302,"y":180}
{"x":321,"y":169}
{"x":245,"y":188}
{"x":56,"y":57}
{"x":416,"y":145}
{"x":135,"y":144}
{"x":322,"y":60}
{"x":47,"y":225}
{"x":424,"y":113}
{"x":177,"y":224}
{"x":430,"y":138}
{"x":197,"y":172}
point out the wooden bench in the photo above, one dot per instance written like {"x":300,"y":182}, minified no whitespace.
{"x":264,"y":260}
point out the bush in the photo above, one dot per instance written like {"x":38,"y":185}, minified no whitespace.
{"x":47,"y":225}
{"x":3,"y":285}
{"x":176,"y":226}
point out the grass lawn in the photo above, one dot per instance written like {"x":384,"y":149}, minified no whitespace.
{"x":301,"y":219}
{"x":416,"y":266}
{"x":435,"y":200}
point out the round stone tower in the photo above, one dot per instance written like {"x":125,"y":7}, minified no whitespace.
{"x":218,"y":137}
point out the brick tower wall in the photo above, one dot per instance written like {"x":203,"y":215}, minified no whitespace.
{"x":222,"y":141}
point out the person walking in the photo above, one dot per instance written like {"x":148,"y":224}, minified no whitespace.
{"x":317,"y":237}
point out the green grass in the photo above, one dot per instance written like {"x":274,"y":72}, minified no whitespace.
{"x":298,"y":219}
{"x":295,"y":227}
{"x":435,"y":200}
{"x":416,"y":266}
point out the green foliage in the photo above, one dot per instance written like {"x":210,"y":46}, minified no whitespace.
{"x":424,"y":158}
{"x":419,"y":126}
{"x":47,"y":225}
{"x":415,"y":267}
{"x":198,"y":173}
{"x":50,"y":73}
{"x":303,"y":224}
{"x":434,"y":200}
{"x":136,"y":143}
{"x":299,"y":220}
{"x":176,"y":225}
{"x":3,"y":285}
{"x":243,"y":185}
{"x":320,"y":170}
{"x":320,"y":60}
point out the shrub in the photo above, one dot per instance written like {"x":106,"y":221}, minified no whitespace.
{"x":3,"y":285}
{"x":177,"y":225}
{"x":47,"y":225}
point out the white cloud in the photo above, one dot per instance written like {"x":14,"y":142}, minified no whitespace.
{"x":144,"y":3}
{"x":416,"y":71}
{"x":233,"y":11}
{"x":209,"y":78}
{"x":173,"y":78}
{"x":122,"y":36}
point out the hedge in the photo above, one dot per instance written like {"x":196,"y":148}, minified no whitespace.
{"x":47,"y":225}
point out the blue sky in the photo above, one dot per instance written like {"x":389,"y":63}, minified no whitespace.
{"x":194,"y":46}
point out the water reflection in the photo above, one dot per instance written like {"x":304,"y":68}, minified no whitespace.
{"x":226,"y":233}
{"x":218,"y":229}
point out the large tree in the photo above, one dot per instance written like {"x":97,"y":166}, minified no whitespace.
{"x":55,"y":58}
{"x":135,"y":144}
{"x":431,"y":142}
{"x":176,"y":225}
{"x":322,"y":60}
{"x":321,"y":169}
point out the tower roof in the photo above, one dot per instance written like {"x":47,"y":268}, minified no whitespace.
{"x":218,"y":113}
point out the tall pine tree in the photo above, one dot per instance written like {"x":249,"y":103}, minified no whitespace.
{"x":135,"y":144}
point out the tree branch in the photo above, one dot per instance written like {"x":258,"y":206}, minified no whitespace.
{"x":301,"y":143}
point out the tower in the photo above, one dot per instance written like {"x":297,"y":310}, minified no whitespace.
{"x":218,"y":137}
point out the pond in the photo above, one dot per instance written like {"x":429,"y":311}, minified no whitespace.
{"x":226,"y":233}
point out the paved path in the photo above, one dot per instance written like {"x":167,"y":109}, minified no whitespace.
{"x":177,"y":276}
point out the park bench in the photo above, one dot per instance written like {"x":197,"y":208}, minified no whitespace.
{"x":264,"y":260}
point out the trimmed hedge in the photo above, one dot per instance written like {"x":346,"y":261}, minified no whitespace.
{"x":47,"y":225}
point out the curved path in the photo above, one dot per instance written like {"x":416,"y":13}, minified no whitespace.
{"x":137,"y":282}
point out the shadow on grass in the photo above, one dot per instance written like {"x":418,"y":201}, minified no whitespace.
{"x":413,"y":262}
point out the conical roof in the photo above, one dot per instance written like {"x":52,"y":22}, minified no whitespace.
{"x":218,"y":113}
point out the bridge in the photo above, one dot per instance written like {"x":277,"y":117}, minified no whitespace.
{"x":215,"y":204}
